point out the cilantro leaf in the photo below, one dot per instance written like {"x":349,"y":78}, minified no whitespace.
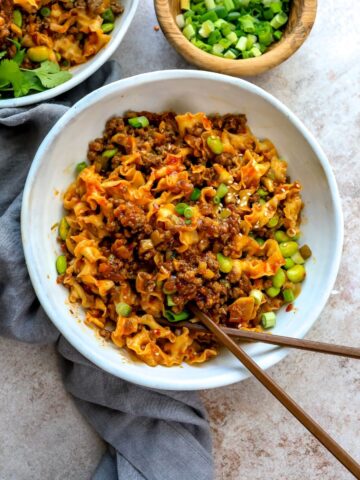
{"x":50,"y":75}
{"x":19,"y":56}
{"x":3,"y":53}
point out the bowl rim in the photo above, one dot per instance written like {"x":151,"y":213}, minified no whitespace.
{"x":265,"y":359}
{"x":78,"y":77}
{"x":244,"y":67}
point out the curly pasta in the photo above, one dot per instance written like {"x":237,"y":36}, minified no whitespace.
{"x":175,"y":209}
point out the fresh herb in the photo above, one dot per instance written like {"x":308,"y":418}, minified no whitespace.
{"x":21,"y":81}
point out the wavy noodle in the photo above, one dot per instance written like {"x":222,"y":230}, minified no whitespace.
{"x":128,"y":242}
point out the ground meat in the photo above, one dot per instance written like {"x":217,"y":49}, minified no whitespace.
{"x":6,"y":13}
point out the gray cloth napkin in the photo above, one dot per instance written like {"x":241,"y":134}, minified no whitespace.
{"x":152,"y":434}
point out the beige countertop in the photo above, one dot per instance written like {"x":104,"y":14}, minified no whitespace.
{"x":42,"y":436}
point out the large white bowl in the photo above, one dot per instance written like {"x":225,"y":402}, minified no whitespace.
{"x":180,"y":90}
{"x":82,"y":72}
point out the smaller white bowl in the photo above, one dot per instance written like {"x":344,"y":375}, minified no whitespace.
{"x":82,"y":72}
{"x":180,"y":90}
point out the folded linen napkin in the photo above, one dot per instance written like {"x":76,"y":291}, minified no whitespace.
{"x":152,"y":434}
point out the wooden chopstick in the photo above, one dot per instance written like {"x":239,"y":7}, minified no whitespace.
{"x":280,"y":394}
{"x":281,"y":340}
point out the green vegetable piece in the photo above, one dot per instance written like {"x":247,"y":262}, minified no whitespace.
{"x":80,"y":167}
{"x":180,"y":208}
{"x":45,"y":11}
{"x":110,"y":153}
{"x":169,"y":301}
{"x":216,"y":200}
{"x":188,"y":212}
{"x":279,"y":20}
{"x":17,"y":18}
{"x":281,"y":236}
{"x":215,"y":144}
{"x":214,"y":37}
{"x":220,"y":11}
{"x":229,"y":5}
{"x":11,"y":75}
{"x":222,"y":190}
{"x":108,"y":15}
{"x":289,"y":262}
{"x":195,"y":194}
{"x":210,"y":4}
{"x":272,"y":292}
{"x":233,"y":16}
{"x":278,"y":34}
{"x":262,"y":193}
{"x":257,"y":295}
{"x":241,"y":45}
{"x":176,"y":317}
{"x":61,"y":264}
{"x":64,"y":228}
{"x":288,"y":295}
{"x":225,"y":263}
{"x":273,"y":221}
{"x":260,"y":241}
{"x":209,"y":16}
{"x":139,"y":122}
{"x":296,"y":274}
{"x":268,"y":320}
{"x":247,"y":23}
{"x":305,"y":251}
{"x":107,"y":27}
{"x":288,"y":249}
{"x":297,"y":258}
{"x":50,"y":75}
{"x":189,"y":32}
{"x":38,"y":54}
{"x":206,"y":28}
{"x":279,"y":278}
{"x":123,"y":309}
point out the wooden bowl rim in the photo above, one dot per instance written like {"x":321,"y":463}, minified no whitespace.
{"x":281,"y":51}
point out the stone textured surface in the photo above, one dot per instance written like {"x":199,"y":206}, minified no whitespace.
{"x":41,"y":433}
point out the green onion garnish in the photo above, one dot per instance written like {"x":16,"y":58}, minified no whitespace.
{"x":123,"y":309}
{"x":176,"y":317}
{"x":268,"y":320}
{"x":138,"y":122}
{"x":80,"y":167}
{"x":195,"y":194}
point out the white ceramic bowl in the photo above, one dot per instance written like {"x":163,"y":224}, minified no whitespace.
{"x":82,"y":72}
{"x":180,"y":90}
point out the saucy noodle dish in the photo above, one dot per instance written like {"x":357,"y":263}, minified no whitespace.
{"x":171,"y":209}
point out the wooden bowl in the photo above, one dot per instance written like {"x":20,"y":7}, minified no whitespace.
{"x":301,"y":19}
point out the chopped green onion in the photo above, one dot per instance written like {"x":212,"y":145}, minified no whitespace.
{"x":262,"y":193}
{"x":189,"y":32}
{"x":206,"y":28}
{"x":296,"y":274}
{"x":232,"y":37}
{"x":195,"y":194}
{"x":61,"y":264}
{"x":288,"y":249}
{"x":110,"y":153}
{"x":214,"y":37}
{"x":257,"y":295}
{"x":278,"y":34}
{"x":209,"y":16}
{"x":255,"y":52}
{"x":180,"y":208}
{"x":281,"y":236}
{"x":108,"y":15}
{"x":288,"y":295}
{"x":17,"y":18}
{"x":225,"y":263}
{"x":268,"y":320}
{"x":80,"y":167}
{"x":216,"y":200}
{"x":305,"y":251}
{"x":180,"y":21}
{"x":107,"y":27}
{"x":188,"y":221}
{"x":279,"y":278}
{"x":210,"y":4}
{"x":273,"y":291}
{"x":289,"y":262}
{"x":241,"y":44}
{"x":260,"y":241}
{"x":123,"y":309}
{"x":297,"y":258}
{"x":64,"y":228}
{"x":138,"y":122}
{"x":247,"y":23}
{"x":169,"y":301}
{"x":229,"y":5}
{"x":220,"y":11}
{"x":279,"y":20}
{"x":188,"y":212}
{"x":273,"y":221}
{"x":215,"y":144}
{"x":222,"y":190}
{"x":176,"y":317}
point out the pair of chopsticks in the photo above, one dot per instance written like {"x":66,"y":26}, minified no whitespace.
{"x":223,"y":336}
